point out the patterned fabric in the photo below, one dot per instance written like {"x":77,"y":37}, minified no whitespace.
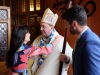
{"x":21,"y":56}
{"x":43,"y":42}
{"x":17,"y":60}
{"x":25,"y":72}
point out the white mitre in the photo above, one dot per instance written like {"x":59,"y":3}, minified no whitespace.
{"x":49,"y":17}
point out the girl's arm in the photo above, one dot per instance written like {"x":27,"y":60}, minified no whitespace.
{"x":39,"y":50}
{"x":43,"y":49}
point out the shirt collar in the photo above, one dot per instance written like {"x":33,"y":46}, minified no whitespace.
{"x":82,"y":32}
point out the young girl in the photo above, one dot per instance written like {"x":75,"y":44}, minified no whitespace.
{"x":19,"y":52}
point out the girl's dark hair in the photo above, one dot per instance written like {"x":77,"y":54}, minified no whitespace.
{"x":17,"y":39}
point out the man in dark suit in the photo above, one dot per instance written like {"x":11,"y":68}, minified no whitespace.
{"x":86,"y":55}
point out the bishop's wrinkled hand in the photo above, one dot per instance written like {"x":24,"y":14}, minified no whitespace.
{"x":63,"y":58}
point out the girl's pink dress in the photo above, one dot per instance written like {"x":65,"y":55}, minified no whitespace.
{"x":22,"y":55}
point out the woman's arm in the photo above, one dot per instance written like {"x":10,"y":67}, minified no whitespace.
{"x":43,"y":49}
{"x":39,"y":50}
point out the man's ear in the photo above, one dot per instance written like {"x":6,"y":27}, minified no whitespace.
{"x":74,"y":24}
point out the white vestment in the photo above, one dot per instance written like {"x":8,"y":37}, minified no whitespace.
{"x":50,"y":65}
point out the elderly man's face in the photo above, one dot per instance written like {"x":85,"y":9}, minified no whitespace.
{"x":46,"y":29}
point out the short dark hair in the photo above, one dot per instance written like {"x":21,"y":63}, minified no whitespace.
{"x":75,"y":13}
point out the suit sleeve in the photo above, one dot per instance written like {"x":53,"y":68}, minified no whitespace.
{"x":91,"y":58}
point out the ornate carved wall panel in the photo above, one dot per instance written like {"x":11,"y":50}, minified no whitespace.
{"x":1,"y":2}
{"x":7,"y":3}
{"x":22,"y":20}
{"x":3,"y":41}
{"x":4,"y":31}
{"x":14,"y":5}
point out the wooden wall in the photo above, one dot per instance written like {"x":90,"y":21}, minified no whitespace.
{"x":93,"y":21}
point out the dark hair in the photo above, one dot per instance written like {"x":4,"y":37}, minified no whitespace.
{"x":17,"y":39}
{"x":75,"y":13}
